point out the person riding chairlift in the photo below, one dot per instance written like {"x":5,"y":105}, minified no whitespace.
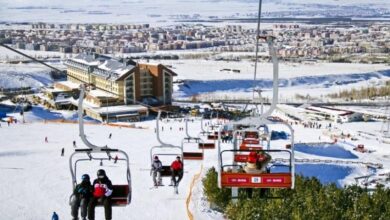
{"x":177,"y":171}
{"x":156,"y":171}
{"x":101,"y":193}
{"x":257,"y":162}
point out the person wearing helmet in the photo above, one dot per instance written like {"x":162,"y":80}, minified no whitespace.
{"x":177,"y":171}
{"x":81,"y":196}
{"x":156,"y":171}
{"x":102,"y":191}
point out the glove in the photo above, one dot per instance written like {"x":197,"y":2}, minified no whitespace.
{"x":82,"y":191}
{"x":108,"y":192}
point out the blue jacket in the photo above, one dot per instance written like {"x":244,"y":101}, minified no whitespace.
{"x":55,"y":216}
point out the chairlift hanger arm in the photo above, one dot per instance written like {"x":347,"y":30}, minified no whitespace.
{"x":81,"y":121}
{"x":189,"y":137}
{"x":158,"y":132}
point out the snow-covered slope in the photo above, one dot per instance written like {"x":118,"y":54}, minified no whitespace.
{"x":22,"y":75}
{"x":156,"y":11}
{"x":33,"y":172}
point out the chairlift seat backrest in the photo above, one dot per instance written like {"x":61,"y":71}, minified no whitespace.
{"x":250,"y":141}
{"x":212,"y":137}
{"x":193,"y":155}
{"x":206,"y":145}
{"x":166,"y":171}
{"x":119,"y":195}
{"x":254,"y":147}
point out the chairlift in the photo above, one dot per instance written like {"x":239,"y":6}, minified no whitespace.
{"x":166,"y":168}
{"x":121,"y":194}
{"x":189,"y":140}
{"x":229,"y":175}
{"x":205,"y":145}
{"x":213,"y":134}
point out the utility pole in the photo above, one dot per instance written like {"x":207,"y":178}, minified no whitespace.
{"x":21,"y":87}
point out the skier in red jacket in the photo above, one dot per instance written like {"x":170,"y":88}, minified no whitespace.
{"x":177,"y":171}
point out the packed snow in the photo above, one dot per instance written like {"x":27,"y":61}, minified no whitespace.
{"x":158,"y":11}
{"x":36,"y":166}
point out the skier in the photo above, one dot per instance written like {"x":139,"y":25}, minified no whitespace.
{"x":116,"y":158}
{"x":109,"y":136}
{"x":74,"y":144}
{"x":62,"y":152}
{"x":81,"y":196}
{"x":177,"y":171}
{"x":54,"y":216}
{"x":156,"y":171}
{"x":101,"y":193}
{"x":257,"y":162}
{"x":46,"y":140}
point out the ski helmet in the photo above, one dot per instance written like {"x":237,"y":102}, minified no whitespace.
{"x":156,"y":157}
{"x":101,"y":172}
{"x":85,"y":177}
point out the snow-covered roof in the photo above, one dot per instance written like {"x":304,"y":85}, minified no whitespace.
{"x":69,"y":84}
{"x":330,"y":111}
{"x":87,"y":59}
{"x":103,"y":66}
{"x":120,"y":109}
{"x":100,"y":93}
{"x":113,"y":69}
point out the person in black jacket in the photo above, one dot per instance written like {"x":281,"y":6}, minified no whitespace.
{"x":102,"y":191}
{"x":81,"y":196}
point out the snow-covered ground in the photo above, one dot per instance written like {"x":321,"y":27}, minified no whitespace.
{"x":156,"y":11}
{"x":207,"y":77}
{"x":33,"y":172}
{"x":210,"y":80}
{"x":212,"y":70}
{"x":24,"y":75}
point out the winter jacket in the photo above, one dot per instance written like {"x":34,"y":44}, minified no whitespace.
{"x":54,"y":216}
{"x":177,"y":165}
{"x":83,"y":190}
{"x":252,"y":158}
{"x":156,"y":165}
{"x":102,"y":187}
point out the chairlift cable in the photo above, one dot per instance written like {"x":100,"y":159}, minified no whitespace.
{"x":257,"y":47}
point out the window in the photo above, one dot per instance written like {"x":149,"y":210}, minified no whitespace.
{"x":129,"y":89}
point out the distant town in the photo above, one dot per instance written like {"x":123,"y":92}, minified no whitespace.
{"x":364,"y":43}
